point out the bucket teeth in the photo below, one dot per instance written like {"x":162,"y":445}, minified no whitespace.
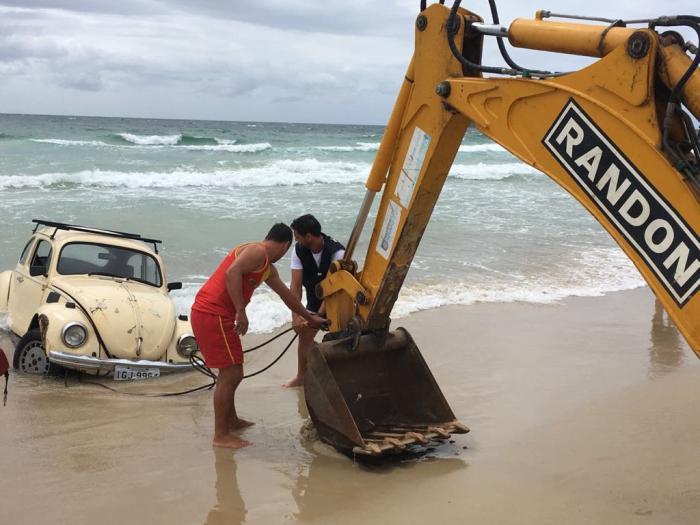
{"x":417,"y":437}
{"x":459,"y":427}
{"x":440,"y":432}
{"x":400,"y":445}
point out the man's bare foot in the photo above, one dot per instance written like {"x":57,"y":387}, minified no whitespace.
{"x":241,"y":423}
{"x":230,"y":441}
{"x":297,"y":381}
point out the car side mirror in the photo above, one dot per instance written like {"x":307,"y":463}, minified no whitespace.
{"x":35,"y":271}
{"x":174,"y":286}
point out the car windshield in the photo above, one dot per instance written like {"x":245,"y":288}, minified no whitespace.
{"x":115,"y":261}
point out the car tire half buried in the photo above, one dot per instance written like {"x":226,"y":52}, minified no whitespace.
{"x":30,"y":356}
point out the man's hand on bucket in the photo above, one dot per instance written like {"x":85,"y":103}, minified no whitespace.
{"x":318,"y":322}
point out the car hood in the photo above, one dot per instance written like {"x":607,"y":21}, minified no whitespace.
{"x":135,"y":320}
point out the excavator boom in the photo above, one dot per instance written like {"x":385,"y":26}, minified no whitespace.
{"x":614,"y":135}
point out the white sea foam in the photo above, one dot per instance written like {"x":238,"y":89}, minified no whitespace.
{"x":151,"y":140}
{"x":475,"y":148}
{"x":4,"y":322}
{"x":359,"y":146}
{"x":277,"y":173}
{"x":267,"y":312}
{"x":231,"y":148}
{"x":483,"y":171}
{"x":374,"y":146}
{"x":62,"y":142}
{"x":225,"y":142}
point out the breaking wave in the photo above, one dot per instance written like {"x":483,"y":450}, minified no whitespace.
{"x":484,"y":171}
{"x":477,"y":148}
{"x":64,"y":142}
{"x":192,"y":142}
{"x":278,"y":173}
{"x":359,"y":146}
{"x":151,"y":140}
{"x":267,"y":312}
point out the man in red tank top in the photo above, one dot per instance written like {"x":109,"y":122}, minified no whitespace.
{"x":219,"y":319}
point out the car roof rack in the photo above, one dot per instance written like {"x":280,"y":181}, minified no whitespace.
{"x":109,"y":233}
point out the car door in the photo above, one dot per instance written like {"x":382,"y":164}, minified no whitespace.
{"x":27,"y":290}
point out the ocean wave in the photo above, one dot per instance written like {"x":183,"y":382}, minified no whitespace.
{"x":475,"y":148}
{"x":64,"y":142}
{"x":278,"y":173}
{"x":484,"y":171}
{"x":374,"y":146}
{"x":231,"y":148}
{"x":267,"y":312}
{"x":359,"y":146}
{"x":151,"y":140}
{"x":193,"y":143}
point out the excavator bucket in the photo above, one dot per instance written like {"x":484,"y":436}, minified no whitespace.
{"x":372,"y":395}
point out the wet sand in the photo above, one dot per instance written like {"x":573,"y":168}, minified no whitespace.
{"x":584,"y":412}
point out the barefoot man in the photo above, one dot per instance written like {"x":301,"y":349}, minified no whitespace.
{"x":219,"y":318}
{"x":311,"y":257}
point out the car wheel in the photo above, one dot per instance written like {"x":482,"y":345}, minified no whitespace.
{"x":30,"y":356}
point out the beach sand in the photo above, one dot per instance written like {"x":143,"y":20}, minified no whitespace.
{"x":581,"y":412}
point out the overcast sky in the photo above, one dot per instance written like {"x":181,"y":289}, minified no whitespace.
{"x":335,"y":61}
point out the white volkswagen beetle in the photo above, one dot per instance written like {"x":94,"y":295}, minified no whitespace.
{"x":95,"y":301}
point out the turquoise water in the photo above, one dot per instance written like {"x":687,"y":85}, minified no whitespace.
{"x":501,"y":231}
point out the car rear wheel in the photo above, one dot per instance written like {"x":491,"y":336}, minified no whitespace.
{"x":30,"y":356}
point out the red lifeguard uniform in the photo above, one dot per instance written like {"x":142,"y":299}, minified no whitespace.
{"x":213,"y":314}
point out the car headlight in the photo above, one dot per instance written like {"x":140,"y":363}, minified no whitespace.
{"x":74,"y":334}
{"x":187,"y":345}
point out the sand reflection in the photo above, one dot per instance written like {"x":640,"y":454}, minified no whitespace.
{"x":229,"y":508}
{"x":329,"y":482}
{"x":666,"y":350}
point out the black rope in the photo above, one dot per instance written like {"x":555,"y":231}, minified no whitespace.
{"x":268,"y":341}
{"x":278,"y":358}
{"x":199,"y":365}
{"x":4,"y":394}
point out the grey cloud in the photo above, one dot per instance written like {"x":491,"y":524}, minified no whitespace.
{"x":331,"y":16}
{"x":91,"y":6}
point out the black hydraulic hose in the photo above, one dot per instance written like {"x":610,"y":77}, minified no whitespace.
{"x":676,"y":93}
{"x":452,"y":27}
{"x":694,"y":23}
{"x":504,"y":51}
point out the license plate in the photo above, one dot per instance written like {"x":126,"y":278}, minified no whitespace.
{"x":127,"y":373}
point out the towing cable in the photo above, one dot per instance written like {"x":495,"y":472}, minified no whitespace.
{"x":201,"y":367}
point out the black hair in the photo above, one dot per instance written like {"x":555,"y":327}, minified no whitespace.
{"x":307,"y":224}
{"x":280,"y":232}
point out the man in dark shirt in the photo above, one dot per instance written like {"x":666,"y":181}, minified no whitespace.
{"x":311,"y":257}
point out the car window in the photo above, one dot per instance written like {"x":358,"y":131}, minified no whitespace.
{"x":25,"y":252}
{"x":88,"y":258}
{"x":42,"y":254}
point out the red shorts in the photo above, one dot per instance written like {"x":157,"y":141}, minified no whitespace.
{"x":217,"y":339}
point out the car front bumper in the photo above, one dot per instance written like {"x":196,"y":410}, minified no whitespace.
{"x":89,"y":363}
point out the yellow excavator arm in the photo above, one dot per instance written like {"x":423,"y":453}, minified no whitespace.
{"x":614,"y":135}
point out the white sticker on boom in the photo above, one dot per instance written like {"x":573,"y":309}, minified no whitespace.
{"x":389,"y":228}
{"x":412,"y":165}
